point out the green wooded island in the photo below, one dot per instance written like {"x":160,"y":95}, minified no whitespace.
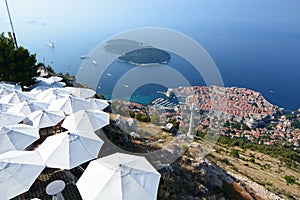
{"x":146,"y":56}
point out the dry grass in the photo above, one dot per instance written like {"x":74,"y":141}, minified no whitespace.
{"x":265,"y":170}
{"x":257,"y":167}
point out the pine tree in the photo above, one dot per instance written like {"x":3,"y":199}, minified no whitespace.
{"x":16,"y":65}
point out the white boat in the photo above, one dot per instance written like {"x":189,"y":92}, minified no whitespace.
{"x":84,"y":57}
{"x":50,"y":44}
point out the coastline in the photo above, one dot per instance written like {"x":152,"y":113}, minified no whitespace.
{"x":142,"y":64}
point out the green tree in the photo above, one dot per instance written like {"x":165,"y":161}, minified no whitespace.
{"x":16,"y":65}
{"x":175,"y":123}
{"x":50,"y":69}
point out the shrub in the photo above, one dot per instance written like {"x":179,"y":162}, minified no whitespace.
{"x":234,"y":153}
{"x":290,"y":179}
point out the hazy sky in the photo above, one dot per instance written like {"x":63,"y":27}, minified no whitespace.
{"x":66,"y":16}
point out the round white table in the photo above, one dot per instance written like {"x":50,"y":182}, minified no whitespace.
{"x":55,"y":188}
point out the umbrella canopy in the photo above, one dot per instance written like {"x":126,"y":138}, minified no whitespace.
{"x":83,"y":92}
{"x":17,"y":136}
{"x":18,"y":171}
{"x":49,"y":81}
{"x":86,"y":120}
{"x":4,"y":107}
{"x":98,"y":103}
{"x":6,"y":88}
{"x":40,"y":88}
{"x":16,"y":97}
{"x":68,"y":150}
{"x":119,"y":176}
{"x":44,"y":118}
{"x":10,"y":118}
{"x":69,"y":104}
{"x":28,"y":107}
{"x":50,"y":95}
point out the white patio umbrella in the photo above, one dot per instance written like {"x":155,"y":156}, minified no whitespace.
{"x":17,"y":137}
{"x":65,"y":90}
{"x":69,"y":104}
{"x":28,"y":106}
{"x":4,"y":107}
{"x":86,"y":120}
{"x":98,"y":103}
{"x":10,"y":118}
{"x":58,"y":85}
{"x":51,"y":94}
{"x":4,"y":90}
{"x":6,"y":87}
{"x":50,"y":80}
{"x":41,"y":88}
{"x":44,"y":118}
{"x":83,"y":92}
{"x":17,"y":97}
{"x":18,"y":171}
{"x":119,"y":176}
{"x":68,"y":150}
{"x":38,"y":89}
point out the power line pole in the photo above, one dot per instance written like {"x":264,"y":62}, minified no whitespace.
{"x":11,"y":24}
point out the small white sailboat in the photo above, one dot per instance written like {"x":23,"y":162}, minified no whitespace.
{"x":94,"y":62}
{"x":50,"y":44}
{"x":108,"y":74}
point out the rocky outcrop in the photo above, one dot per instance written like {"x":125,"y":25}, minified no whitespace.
{"x":127,"y":126}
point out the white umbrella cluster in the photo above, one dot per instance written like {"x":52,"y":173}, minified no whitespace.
{"x":23,"y":114}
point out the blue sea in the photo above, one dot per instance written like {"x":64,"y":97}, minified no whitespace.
{"x":263,"y":64}
{"x":255,"y":44}
{"x":146,"y":93}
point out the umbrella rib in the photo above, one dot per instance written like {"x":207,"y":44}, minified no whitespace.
{"x":87,"y":149}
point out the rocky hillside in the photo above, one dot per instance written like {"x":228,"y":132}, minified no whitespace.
{"x":219,"y":174}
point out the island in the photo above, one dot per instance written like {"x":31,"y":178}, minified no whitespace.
{"x":121,"y":46}
{"x":146,"y":56}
